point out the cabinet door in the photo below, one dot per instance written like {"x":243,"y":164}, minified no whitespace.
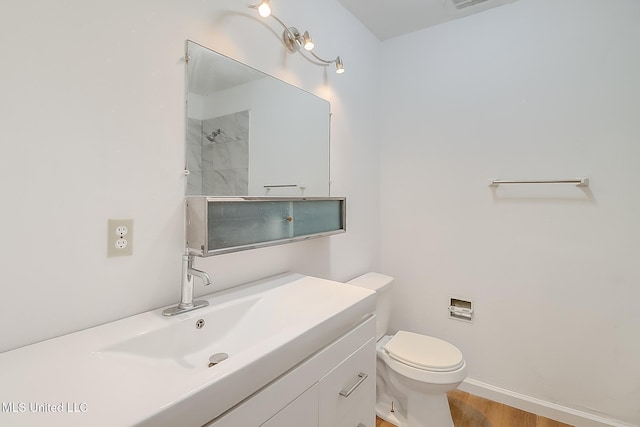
{"x":302,"y":412}
{"x":348,"y":392}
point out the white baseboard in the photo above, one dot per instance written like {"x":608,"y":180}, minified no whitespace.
{"x":538,"y":406}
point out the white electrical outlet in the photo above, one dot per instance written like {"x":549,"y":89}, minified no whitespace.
{"x":120,"y":237}
{"x":122,"y":230}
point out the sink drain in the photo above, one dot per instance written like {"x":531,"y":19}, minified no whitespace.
{"x":217,"y":358}
{"x":200,"y":324}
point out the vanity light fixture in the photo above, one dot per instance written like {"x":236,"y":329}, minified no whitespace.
{"x":293,"y":40}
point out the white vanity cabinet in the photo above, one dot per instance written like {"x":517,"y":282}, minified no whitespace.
{"x":335,"y":387}
{"x":347,"y":392}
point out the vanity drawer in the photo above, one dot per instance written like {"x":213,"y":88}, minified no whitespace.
{"x":302,"y":412}
{"x":348,"y":392}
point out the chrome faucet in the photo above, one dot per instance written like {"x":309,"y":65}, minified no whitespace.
{"x":186,"y":299}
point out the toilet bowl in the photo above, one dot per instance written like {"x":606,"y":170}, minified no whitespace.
{"x":414,"y":372}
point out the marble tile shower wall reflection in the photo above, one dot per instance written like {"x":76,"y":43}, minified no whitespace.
{"x":194,"y":150}
{"x":225,"y":160}
{"x":222,"y":144}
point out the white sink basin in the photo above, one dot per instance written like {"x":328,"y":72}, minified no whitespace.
{"x":238,"y":322}
{"x":229,"y":327}
{"x":154,"y":370}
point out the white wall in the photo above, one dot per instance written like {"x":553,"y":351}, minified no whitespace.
{"x":539,"y":89}
{"x":92,"y":127}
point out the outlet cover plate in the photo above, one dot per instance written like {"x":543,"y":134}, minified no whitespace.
{"x":120,"y":237}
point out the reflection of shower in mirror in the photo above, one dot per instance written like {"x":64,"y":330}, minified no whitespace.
{"x":212,"y":137}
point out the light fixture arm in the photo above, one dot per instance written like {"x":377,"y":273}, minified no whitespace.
{"x":280,"y":22}
{"x":294,"y":40}
{"x":320,"y":59}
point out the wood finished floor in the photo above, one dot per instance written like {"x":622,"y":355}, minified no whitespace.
{"x":468,"y":410}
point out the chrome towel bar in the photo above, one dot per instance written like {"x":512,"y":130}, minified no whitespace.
{"x":580,"y":182}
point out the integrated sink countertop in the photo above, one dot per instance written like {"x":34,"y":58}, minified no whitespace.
{"x":153,"y":370}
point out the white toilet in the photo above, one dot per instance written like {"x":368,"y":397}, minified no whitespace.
{"x":414,"y":372}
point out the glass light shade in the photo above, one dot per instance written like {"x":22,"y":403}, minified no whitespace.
{"x":308,"y":43}
{"x":339,"y":66}
{"x":264,"y":9}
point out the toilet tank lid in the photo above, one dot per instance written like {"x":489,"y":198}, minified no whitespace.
{"x":373,"y":281}
{"x":424,"y":352}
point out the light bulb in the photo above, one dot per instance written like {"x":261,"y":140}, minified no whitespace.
{"x":308,"y":43}
{"x":264,"y":9}
{"x":339,"y":66}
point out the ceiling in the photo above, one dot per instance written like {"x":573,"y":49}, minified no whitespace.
{"x":390,"y":18}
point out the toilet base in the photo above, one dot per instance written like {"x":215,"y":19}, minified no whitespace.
{"x":397,"y":417}
{"x":424,"y":411}
{"x":417,"y":410}
{"x":429,"y":410}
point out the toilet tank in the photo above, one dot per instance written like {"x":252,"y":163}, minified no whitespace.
{"x":381,"y":284}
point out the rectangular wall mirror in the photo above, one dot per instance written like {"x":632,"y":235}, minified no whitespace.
{"x":250,"y":134}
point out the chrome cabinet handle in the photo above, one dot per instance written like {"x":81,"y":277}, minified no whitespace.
{"x":347,"y":392}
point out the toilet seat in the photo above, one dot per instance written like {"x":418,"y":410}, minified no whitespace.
{"x":424,"y":352}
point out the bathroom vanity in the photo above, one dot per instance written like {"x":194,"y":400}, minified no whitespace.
{"x":299,"y":350}
{"x":333,"y":388}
